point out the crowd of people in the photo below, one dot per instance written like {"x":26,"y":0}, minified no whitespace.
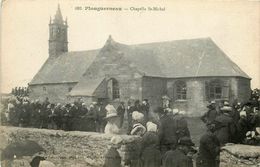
{"x":20,"y":91}
{"x":168,"y":143}
{"x":23,"y":112}
{"x":165,"y":141}
{"x":237,"y":123}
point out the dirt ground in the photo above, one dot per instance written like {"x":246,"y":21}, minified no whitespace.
{"x":197,"y":129}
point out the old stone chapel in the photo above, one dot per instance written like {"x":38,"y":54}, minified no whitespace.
{"x":191,"y":72}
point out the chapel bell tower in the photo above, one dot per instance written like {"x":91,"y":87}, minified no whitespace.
{"x":58,"y":30}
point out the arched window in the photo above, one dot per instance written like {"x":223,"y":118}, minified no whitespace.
{"x":113,"y":89}
{"x":44,"y":89}
{"x":215,"y":89}
{"x":69,"y":89}
{"x":181,"y":90}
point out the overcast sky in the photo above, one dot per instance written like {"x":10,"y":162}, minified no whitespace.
{"x":234,"y":26}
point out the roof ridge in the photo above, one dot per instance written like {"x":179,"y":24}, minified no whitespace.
{"x":169,"y":41}
{"x":79,"y":51}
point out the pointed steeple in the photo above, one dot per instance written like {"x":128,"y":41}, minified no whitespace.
{"x":58,"y":42}
{"x":58,"y":16}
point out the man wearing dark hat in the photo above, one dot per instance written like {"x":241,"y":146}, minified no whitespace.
{"x":121,"y":112}
{"x":101,"y":114}
{"x":227,"y":130}
{"x":167,"y":131}
{"x":209,"y":148}
{"x":145,"y":107}
{"x":179,"y":156}
{"x":137,"y":106}
{"x":211,"y":114}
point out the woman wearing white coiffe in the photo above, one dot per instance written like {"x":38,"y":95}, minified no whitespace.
{"x":138,"y":128}
{"x":113,"y":120}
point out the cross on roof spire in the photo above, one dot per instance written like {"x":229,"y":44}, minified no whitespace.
{"x":110,"y":39}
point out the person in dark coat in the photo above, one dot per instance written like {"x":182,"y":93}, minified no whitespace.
{"x":129,"y":110}
{"x":52,"y":117}
{"x":235,"y":112}
{"x":43,"y":114}
{"x":252,"y":119}
{"x":101,"y":114}
{"x":179,"y":157}
{"x":137,"y":106}
{"x":181,"y":125}
{"x":74,"y":115}
{"x":167,"y":131}
{"x":121,"y":112}
{"x":82,"y":117}
{"x":91,"y":117}
{"x":17,"y":113}
{"x":150,"y":153}
{"x":211,"y":114}
{"x":112,"y":157}
{"x":83,"y":110}
{"x":25,"y":114}
{"x":35,"y":115}
{"x":145,"y":107}
{"x":209,"y":148}
{"x":58,"y":112}
{"x":242,"y":127}
{"x":37,"y":109}
{"x":65,"y":117}
{"x":227,"y":130}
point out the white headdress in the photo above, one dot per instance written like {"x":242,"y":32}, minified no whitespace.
{"x":137,"y":116}
{"x":151,"y":127}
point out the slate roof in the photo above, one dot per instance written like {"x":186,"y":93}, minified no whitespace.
{"x":181,"y":58}
{"x":89,"y":87}
{"x":68,"y":67}
{"x":172,"y":59}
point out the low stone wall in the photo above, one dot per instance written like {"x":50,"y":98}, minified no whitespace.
{"x":240,"y":155}
{"x":66,"y":149}
{"x":87,"y":149}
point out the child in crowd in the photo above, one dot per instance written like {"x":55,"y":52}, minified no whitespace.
{"x":112,"y":157}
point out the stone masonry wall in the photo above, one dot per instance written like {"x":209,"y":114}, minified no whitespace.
{"x":111,"y":63}
{"x":197,"y":100}
{"x":55,"y":92}
{"x":244,"y":89}
{"x":153,"y":89}
{"x":66,"y":149}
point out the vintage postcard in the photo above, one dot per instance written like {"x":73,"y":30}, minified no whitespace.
{"x":130,"y":83}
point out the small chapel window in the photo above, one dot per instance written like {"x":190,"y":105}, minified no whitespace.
{"x":215,"y":89}
{"x":113,"y":89}
{"x":115,"y":86}
{"x":181,"y":90}
{"x":44,"y":89}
